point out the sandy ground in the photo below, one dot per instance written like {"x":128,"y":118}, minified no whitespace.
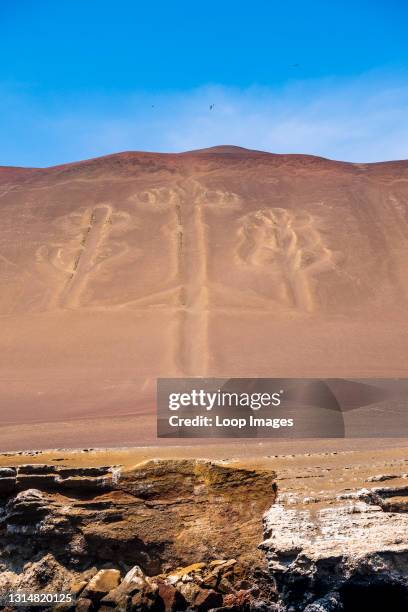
{"x":225,"y":262}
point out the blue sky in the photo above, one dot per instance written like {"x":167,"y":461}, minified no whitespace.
{"x":85,"y":78}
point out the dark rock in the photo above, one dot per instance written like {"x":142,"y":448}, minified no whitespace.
{"x":240,"y":599}
{"x":35,"y":481}
{"x":243,"y":585}
{"x":115,"y":597}
{"x":147,"y":600}
{"x":7,"y":472}
{"x":329,"y":603}
{"x":36,"y":468}
{"x":266,"y":606}
{"x":25,"y":509}
{"x":117,"y":600}
{"x":7,"y":484}
{"x":207,"y":599}
{"x":83,"y":471}
{"x":225,"y":586}
{"x":172,"y":599}
{"x":84,"y":605}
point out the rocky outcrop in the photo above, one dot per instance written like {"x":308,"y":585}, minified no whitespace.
{"x":56,"y":477}
{"x":116,"y":539}
{"x":173,"y":536}
{"x":351,"y":555}
{"x":218,"y":585}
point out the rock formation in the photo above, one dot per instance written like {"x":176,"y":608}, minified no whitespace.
{"x":121,"y":540}
{"x":351,"y":555}
{"x":178,"y":535}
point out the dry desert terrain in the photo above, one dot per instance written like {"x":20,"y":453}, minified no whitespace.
{"x":222,"y":262}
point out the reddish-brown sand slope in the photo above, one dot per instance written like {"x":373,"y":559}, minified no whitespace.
{"x":223,"y":262}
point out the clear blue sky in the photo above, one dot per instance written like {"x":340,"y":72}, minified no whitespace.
{"x":85,"y":78}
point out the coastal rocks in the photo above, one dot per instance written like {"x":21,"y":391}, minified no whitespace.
{"x":84,"y":605}
{"x":24,"y":511}
{"x":325,"y":557}
{"x":33,"y":576}
{"x":185,"y":589}
{"x":134,"y":582}
{"x":390,"y":499}
{"x":183,"y":536}
{"x":196,"y":510}
{"x":382,"y":477}
{"x":43,"y":476}
{"x":172,"y":599}
{"x":103,"y":582}
{"x":171,"y":479}
{"x":101,"y":524}
{"x":7,"y":480}
{"x":207,"y":600}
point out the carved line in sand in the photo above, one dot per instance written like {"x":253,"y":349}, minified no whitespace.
{"x":6,"y":262}
{"x":156,"y":200}
{"x":187,"y":286}
{"x":192,"y":351}
{"x":190,"y":285}
{"x":399,"y":205}
{"x":289,"y":247}
{"x":160,"y":200}
{"x":187,"y":221}
{"x":194,"y":338}
{"x":72,"y":264}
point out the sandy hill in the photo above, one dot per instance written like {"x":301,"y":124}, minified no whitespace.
{"x":222,"y":261}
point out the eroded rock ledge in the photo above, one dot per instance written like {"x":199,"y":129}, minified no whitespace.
{"x":167,"y":535}
{"x":349,"y":556}
{"x":171,"y":535}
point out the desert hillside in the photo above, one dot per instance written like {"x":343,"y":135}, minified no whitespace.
{"x":223,"y":261}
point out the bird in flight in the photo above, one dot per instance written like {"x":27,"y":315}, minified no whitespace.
{"x":211,"y":106}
